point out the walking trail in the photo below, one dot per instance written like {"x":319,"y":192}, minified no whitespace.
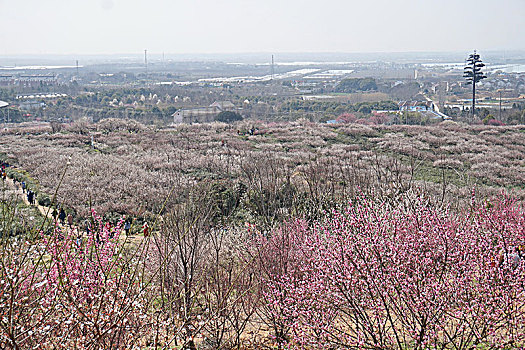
{"x":17,"y":190}
{"x":48,"y":211}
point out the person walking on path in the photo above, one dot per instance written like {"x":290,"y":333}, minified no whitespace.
{"x":146,"y":229}
{"x":79,"y":239}
{"x":30,"y":197}
{"x":70,"y":220}
{"x":62,"y":216}
{"x":127,"y":226}
{"x":86,"y":227}
{"x":23,"y":187}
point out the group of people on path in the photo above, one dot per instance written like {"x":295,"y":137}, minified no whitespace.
{"x":510,"y":257}
{"x":58,"y":212}
{"x":31,"y":197}
{"x":61,"y":215}
{"x":30,"y":194}
{"x":250,"y":132}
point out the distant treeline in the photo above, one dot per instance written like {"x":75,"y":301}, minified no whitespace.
{"x":356,"y":84}
{"x":511,"y":116}
{"x":337,"y":107}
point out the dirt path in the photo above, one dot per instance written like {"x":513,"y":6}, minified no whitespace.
{"x":17,"y":190}
{"x":48,"y":212}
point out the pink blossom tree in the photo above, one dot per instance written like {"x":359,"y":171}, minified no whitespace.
{"x":76,"y":291}
{"x":376,"y":276}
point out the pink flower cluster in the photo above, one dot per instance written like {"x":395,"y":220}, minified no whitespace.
{"x":85,"y":264}
{"x":409,"y":276}
{"x":76,"y":290}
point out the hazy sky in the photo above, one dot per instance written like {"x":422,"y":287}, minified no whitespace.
{"x":229,"y":26}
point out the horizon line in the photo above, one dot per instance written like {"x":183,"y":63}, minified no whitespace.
{"x":160,"y":53}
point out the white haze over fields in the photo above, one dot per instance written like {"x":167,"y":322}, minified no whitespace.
{"x":230,"y":26}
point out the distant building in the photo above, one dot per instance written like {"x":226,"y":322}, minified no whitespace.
{"x":202,"y":114}
{"x":30,"y":105}
{"x":416,"y":106}
{"x":36,"y":80}
{"x":29,"y":102}
{"x":223,"y":105}
{"x":6,"y":80}
{"x":196,"y":115}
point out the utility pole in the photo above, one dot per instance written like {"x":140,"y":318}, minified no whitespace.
{"x":146,"y":62}
{"x":474,"y":74}
{"x":272,"y":69}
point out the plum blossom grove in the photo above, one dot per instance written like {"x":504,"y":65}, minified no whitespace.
{"x":376,"y":277}
{"x":369,"y":275}
{"x":297,"y":237}
{"x":133,"y":167}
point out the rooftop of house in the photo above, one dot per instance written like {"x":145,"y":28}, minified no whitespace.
{"x":197,"y":111}
{"x":415,"y":103}
{"x":223,"y":104}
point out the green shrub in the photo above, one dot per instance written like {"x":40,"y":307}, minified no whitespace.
{"x":44,"y":200}
{"x":22,"y":176}
{"x":3,"y":157}
{"x":228,"y":117}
